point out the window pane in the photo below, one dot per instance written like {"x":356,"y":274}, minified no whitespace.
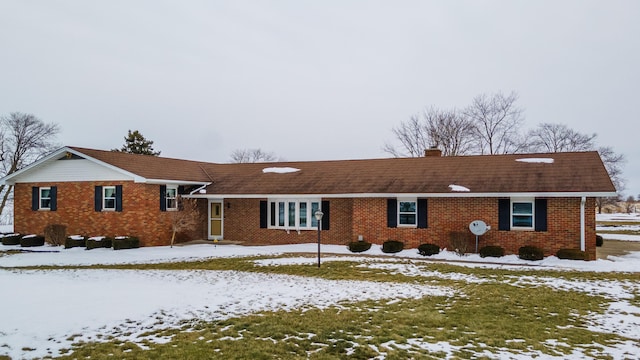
{"x":523,"y":221}
{"x":407,"y":219}
{"x":303,"y":214}
{"x":109,"y":203}
{"x":523,"y":208}
{"x":408,"y":206}
{"x":171,"y":203}
{"x":171,"y":193}
{"x":273,"y":213}
{"x":292,"y":214}
{"x":45,"y":203}
{"x":45,"y":193}
{"x":280,"y":214}
{"x":109,"y":192}
{"x":314,"y":207}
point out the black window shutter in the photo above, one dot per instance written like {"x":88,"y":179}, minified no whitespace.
{"x":326,"y":217}
{"x":263,"y":214}
{"x":163,"y":197}
{"x":118,"y":197}
{"x":35,"y":198}
{"x":97,"y":199}
{"x":392,"y":213}
{"x":422,"y":213}
{"x":541,"y":215}
{"x":504,"y":214}
{"x":54,"y":198}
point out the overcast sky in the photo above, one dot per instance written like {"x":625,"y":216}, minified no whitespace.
{"x":313,"y":80}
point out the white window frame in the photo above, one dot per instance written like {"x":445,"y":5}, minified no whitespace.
{"x":291,"y":210}
{"x":531,"y":201}
{"x":414,"y":213}
{"x":105,"y":198}
{"x":41,"y":198}
{"x":173,"y":198}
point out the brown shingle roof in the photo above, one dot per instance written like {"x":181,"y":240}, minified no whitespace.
{"x":577,"y":172}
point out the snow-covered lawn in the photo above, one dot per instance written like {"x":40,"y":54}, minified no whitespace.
{"x":44,"y":311}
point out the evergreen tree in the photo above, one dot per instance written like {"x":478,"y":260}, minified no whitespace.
{"x":135,"y":143}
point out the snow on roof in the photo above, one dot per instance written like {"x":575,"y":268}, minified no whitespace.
{"x":279,"y":170}
{"x":458,"y":188}
{"x":536,"y":160}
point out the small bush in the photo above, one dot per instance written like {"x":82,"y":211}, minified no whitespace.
{"x":55,"y":234}
{"x":571,"y":254}
{"x":11,"y":239}
{"x":530,"y":253}
{"x":599,"y":240}
{"x":460,"y":242}
{"x":32,"y":240}
{"x":428,"y":249}
{"x":75,"y":241}
{"x":126,"y":242}
{"x":359,"y":246}
{"x":392,"y":246}
{"x":99,"y":242}
{"x":492,"y":251}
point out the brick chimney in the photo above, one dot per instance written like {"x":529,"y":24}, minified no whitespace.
{"x":433,"y":151}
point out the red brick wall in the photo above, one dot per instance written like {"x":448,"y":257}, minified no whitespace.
{"x":141,"y":215}
{"x":242,"y":223}
{"x":446,"y":215}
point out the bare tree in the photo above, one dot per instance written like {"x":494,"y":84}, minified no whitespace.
{"x":559,"y":138}
{"x":497,"y":121}
{"x":413,"y":138}
{"x":24,"y":139}
{"x":186,"y":218}
{"x":448,"y":130}
{"x":613,"y":163}
{"x":251,"y":156}
{"x":630,"y":204}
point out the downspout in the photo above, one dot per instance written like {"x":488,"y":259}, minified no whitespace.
{"x":582,"y":224}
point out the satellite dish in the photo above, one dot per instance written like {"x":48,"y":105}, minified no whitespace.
{"x":478,"y":227}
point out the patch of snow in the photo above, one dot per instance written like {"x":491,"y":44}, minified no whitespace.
{"x":279,"y":170}
{"x":458,"y":188}
{"x":536,"y":160}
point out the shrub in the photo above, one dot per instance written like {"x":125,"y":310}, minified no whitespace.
{"x":530,"y":253}
{"x":75,"y":241}
{"x":359,"y":246}
{"x":571,"y":254}
{"x":392,"y":246}
{"x":32,"y":240}
{"x":599,"y":240}
{"x":492,"y":251}
{"x":459,"y":242}
{"x":55,"y":234}
{"x":428,"y":249}
{"x":11,"y":239}
{"x":99,"y":242}
{"x":126,"y":242}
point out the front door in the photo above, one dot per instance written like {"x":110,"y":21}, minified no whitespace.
{"x":215,"y":220}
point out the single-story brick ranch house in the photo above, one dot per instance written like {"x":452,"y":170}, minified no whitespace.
{"x":545,"y":200}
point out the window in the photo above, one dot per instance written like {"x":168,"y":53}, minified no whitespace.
{"x":407,"y":212}
{"x":45,"y":198}
{"x":293,"y":214}
{"x":171,"y":195}
{"x":522,"y":211}
{"x":108,"y":198}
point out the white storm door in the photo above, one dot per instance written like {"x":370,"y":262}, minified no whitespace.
{"x":215,"y":220}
